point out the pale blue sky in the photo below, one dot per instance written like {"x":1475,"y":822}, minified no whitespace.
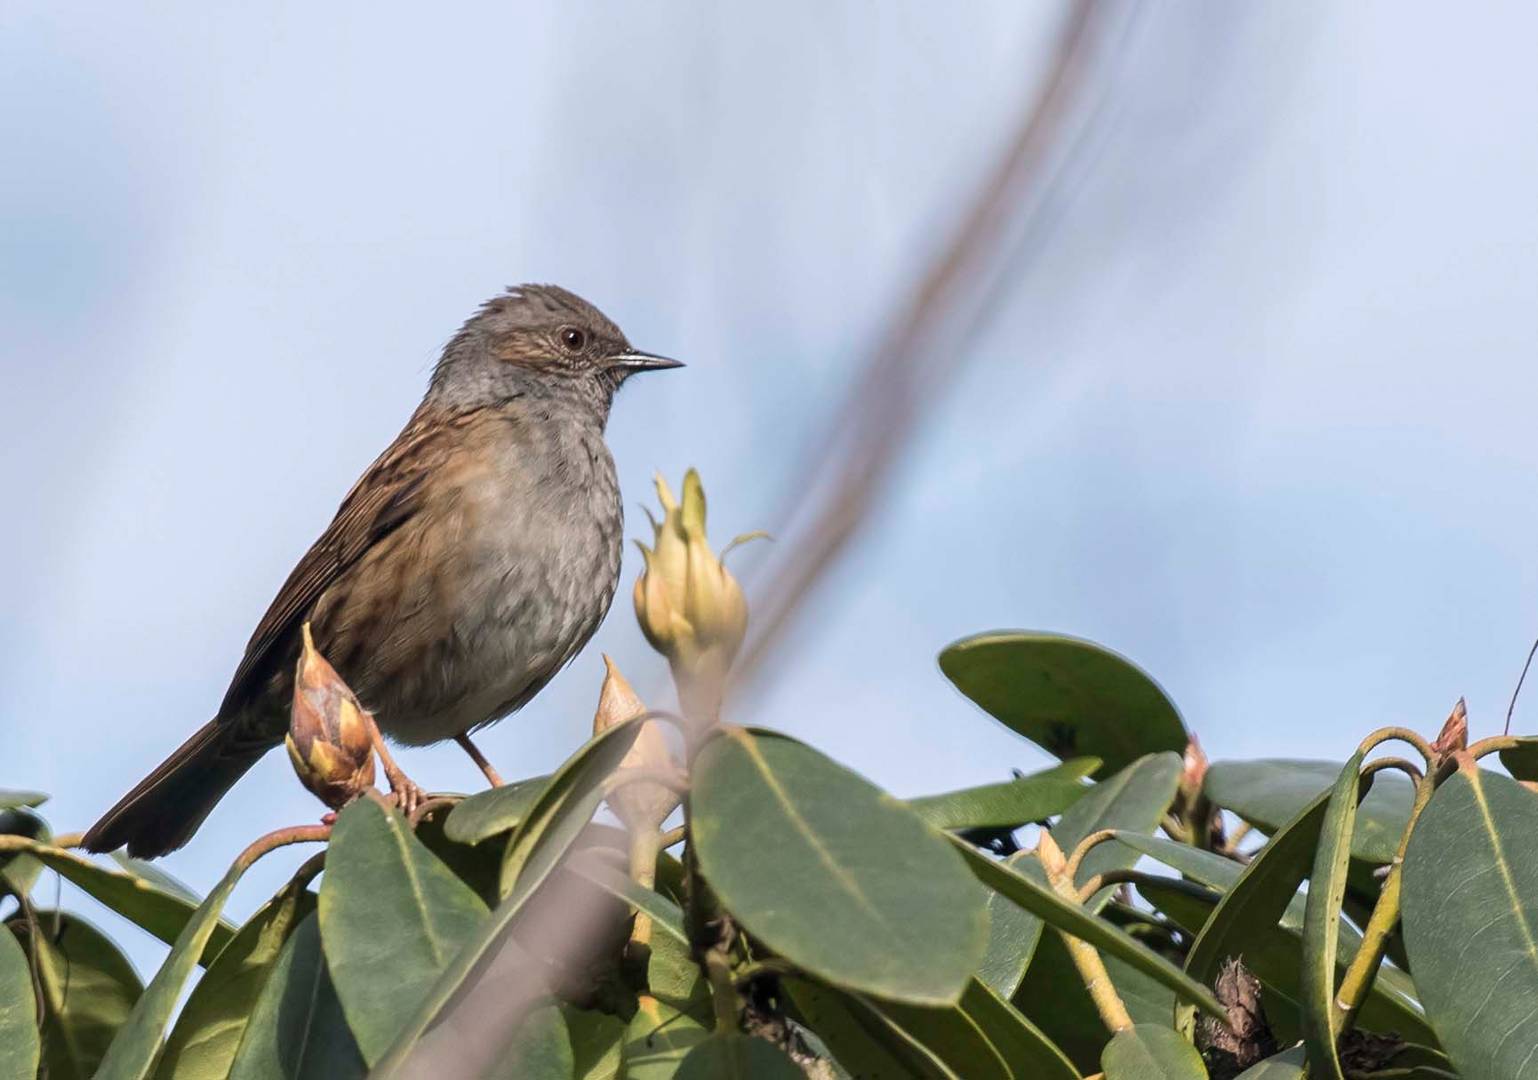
{"x":1258,"y":414}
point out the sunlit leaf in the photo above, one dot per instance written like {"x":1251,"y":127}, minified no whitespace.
{"x":392,"y":917}
{"x":1069,"y":696}
{"x":541,"y":1048}
{"x":1008,"y":804}
{"x":88,"y":991}
{"x":487,"y":813}
{"x":658,"y":1039}
{"x":1470,"y":909}
{"x":19,"y":1046}
{"x":880,"y":901}
{"x":552,"y":825}
{"x":142,"y":902}
{"x":1151,"y":1052}
{"x":207,"y":1035}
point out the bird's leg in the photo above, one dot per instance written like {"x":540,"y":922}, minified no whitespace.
{"x":402,"y":788}
{"x":463,"y":739}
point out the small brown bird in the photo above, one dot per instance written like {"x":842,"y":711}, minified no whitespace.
{"x":467,"y":566}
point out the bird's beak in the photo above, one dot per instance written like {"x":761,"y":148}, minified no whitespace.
{"x":631,"y":362}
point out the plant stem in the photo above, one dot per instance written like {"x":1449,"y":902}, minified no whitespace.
{"x":644,"y":846}
{"x":1085,"y":958}
{"x":1380,"y":924}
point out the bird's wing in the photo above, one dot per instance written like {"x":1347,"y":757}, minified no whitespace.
{"x":385,"y":497}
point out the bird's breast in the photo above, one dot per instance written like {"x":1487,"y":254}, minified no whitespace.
{"x":515,"y":564}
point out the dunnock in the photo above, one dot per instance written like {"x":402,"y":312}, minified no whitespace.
{"x":472,"y":561}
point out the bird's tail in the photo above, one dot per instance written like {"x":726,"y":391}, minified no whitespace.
{"x":163,"y":811}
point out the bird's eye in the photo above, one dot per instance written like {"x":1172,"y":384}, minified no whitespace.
{"x":573,"y":338}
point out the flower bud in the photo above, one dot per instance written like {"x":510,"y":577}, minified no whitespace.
{"x":643,"y":805}
{"x":690,"y":607}
{"x":329,"y":735}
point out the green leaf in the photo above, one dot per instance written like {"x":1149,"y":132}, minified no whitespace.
{"x":657,"y":1040}
{"x":597,"y":1040}
{"x":1470,"y":909}
{"x":392,"y":917}
{"x":1024,"y":1046}
{"x":541,"y":1047}
{"x":1134,"y":800}
{"x":133,"y":1051}
{"x":143,"y":903}
{"x":18,"y":870}
{"x":552,"y":825}
{"x":148,"y":871}
{"x":1268,"y":793}
{"x":88,"y":991}
{"x":861,"y":1039}
{"x":209,"y":1030}
{"x":1521,"y":760}
{"x":487,"y":813}
{"x":665,"y":914}
{"x":1010,"y":804}
{"x":1288,"y":1065}
{"x":1054,"y":997}
{"x":1151,"y":1052}
{"x":1070,"y":918}
{"x":1068,"y":696}
{"x":734,"y":1056}
{"x":19,"y":1046}
{"x":297,"y":1030}
{"x":1274,"y":955}
{"x":1013,"y":933}
{"x":1326,"y":892}
{"x":880,"y":902}
{"x":9,"y":800}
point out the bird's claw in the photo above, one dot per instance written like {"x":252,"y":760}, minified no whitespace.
{"x":404,"y":792}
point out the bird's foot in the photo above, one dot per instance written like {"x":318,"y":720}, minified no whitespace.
{"x":491,"y":774}
{"x":404,"y":792}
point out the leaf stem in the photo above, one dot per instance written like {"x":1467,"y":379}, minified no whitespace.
{"x":1380,"y":924}
{"x":1113,"y":1012}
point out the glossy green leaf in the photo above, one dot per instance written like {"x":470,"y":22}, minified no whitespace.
{"x":1151,"y":1052}
{"x":1009,"y":804}
{"x":658,"y":1039}
{"x":148,"y":871}
{"x":1275,"y":956}
{"x":19,"y":1045}
{"x":552,"y":825}
{"x":9,"y":800}
{"x":487,"y":813}
{"x":1041,"y":901}
{"x":392,"y":917}
{"x":541,"y":1048}
{"x":19,"y":870}
{"x":597,"y":1042}
{"x":737,"y":1057}
{"x":1133,"y":800}
{"x":207,"y":1035}
{"x":143,"y":903}
{"x":478,"y":865}
{"x":133,"y":1052}
{"x":1069,"y":696}
{"x":1054,"y":997}
{"x":88,"y":991}
{"x":1271,"y":792}
{"x":1013,"y":932}
{"x":1028,"y":1051}
{"x":881,"y":902}
{"x":1470,"y":910}
{"x":297,"y":1029}
{"x":1288,"y":1065}
{"x":861,"y":1039}
{"x":1326,"y":891}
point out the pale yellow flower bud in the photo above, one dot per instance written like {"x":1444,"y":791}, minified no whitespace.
{"x":689,"y":605}
{"x":329,"y":740}
{"x":643,"y":805}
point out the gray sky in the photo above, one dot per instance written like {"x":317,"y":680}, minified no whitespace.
{"x":1258,"y":414}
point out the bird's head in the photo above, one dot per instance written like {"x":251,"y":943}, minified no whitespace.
{"x":537,"y":339}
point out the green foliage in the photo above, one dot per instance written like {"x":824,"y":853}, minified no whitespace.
{"x":807,"y":923}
